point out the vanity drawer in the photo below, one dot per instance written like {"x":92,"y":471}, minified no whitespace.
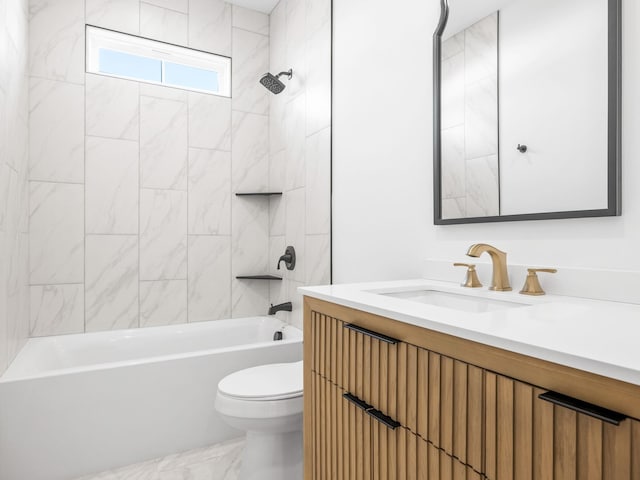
{"x":358,"y":360}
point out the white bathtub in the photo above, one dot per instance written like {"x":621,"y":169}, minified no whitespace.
{"x":78,"y":404}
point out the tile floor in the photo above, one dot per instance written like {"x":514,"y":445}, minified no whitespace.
{"x":217,"y":462}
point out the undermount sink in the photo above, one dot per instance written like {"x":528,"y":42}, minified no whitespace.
{"x":454,"y":301}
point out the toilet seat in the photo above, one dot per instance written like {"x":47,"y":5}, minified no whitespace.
{"x":274,"y":382}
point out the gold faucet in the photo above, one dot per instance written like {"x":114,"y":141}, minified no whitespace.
{"x":500,"y":280}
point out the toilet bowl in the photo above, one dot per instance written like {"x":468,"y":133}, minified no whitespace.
{"x":266,"y":402}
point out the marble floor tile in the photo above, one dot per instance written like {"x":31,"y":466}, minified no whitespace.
{"x":216,"y":462}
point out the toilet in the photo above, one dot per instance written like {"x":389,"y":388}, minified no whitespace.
{"x":266,"y":402}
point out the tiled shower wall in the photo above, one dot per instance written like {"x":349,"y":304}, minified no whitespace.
{"x":132,"y":214}
{"x":300,"y":148}
{"x":14,"y":114}
{"x":470,"y":172}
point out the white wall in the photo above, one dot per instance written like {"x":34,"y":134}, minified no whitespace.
{"x":382,"y":178}
{"x":14,"y":147}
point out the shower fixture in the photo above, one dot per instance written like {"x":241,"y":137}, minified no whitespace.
{"x":273,"y":83}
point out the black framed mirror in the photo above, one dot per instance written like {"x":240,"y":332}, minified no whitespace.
{"x":527,"y":110}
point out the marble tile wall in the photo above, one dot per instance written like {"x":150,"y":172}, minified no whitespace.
{"x":470,"y":171}
{"x":133,"y":216}
{"x":14,"y":188}
{"x":300,"y":148}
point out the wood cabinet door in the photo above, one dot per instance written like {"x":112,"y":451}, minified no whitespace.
{"x":527,"y":438}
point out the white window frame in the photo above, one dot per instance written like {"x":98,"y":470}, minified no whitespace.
{"x":100,"y":38}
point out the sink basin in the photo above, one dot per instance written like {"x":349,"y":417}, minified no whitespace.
{"x":464,"y":303}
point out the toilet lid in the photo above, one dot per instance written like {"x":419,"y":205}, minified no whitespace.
{"x":266,"y":382}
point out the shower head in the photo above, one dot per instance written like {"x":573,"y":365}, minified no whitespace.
{"x":273,"y":83}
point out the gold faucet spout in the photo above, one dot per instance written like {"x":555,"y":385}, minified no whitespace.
{"x":500,"y":280}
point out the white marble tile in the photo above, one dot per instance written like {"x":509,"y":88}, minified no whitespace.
{"x":296,"y":45}
{"x":209,"y":278}
{"x":250,"y":235}
{"x":164,"y":92}
{"x":295,"y":230}
{"x":163,"y":234}
{"x":453,"y":45}
{"x":17,"y":299}
{"x":278,"y":37}
{"x":209,"y":121}
{"x":56,"y":140}
{"x":250,"y":248}
{"x":318,"y":182}
{"x":56,"y":309}
{"x":163,"y":143}
{"x":453,"y":91}
{"x":453,"y":163}
{"x":163,"y":302}
{"x":56,"y":227}
{"x":111,"y":286}
{"x":318,"y":259}
{"x":250,"y":152}
{"x":483,"y":184}
{"x":295,"y":318}
{"x":318,"y":80}
{"x":249,"y":298}
{"x":120,"y":15}
{"x":56,"y":39}
{"x":250,"y":62}
{"x":277,"y":124}
{"x":454,"y":208}
{"x":215,"y":462}
{"x":277,"y":215}
{"x":296,"y":143}
{"x":481,"y":49}
{"x":277,"y":171}
{"x":318,"y":16}
{"x":481,"y":118}
{"x":112,"y":188}
{"x":163,"y":24}
{"x":251,"y":20}
{"x":210,"y":26}
{"x":209,"y":192}
{"x":112,"y":107}
{"x":177,"y":5}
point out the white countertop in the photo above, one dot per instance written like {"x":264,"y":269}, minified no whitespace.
{"x":596,"y":336}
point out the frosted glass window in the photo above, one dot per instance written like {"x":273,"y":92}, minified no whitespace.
{"x":190,"y":77}
{"x":134,"y":58}
{"x":130,"y":66}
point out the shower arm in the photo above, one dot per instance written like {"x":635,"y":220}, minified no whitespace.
{"x":288,"y":73}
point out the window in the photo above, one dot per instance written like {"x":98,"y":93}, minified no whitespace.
{"x":135,"y":58}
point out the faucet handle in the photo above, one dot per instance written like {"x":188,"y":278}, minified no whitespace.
{"x":472,"y":276}
{"x":532,"y":284}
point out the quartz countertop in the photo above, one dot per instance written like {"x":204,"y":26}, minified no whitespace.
{"x":596,"y":336}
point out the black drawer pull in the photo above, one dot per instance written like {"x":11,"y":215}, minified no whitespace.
{"x":370,"y":333}
{"x":382,"y":418}
{"x":357,"y":402}
{"x":590,"y":409}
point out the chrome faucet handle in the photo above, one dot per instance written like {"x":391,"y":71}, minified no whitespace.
{"x":532,"y":284}
{"x":472,"y":276}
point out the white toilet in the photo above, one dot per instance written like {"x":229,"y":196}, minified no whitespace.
{"x":266,"y":402}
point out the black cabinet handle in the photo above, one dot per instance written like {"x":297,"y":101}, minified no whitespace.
{"x":371,"y":333}
{"x":590,"y":409}
{"x":357,"y":402}
{"x":382,"y":418}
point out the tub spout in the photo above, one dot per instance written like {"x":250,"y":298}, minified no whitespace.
{"x":283,"y":307}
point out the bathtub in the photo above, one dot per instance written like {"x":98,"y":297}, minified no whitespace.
{"x":78,"y":404}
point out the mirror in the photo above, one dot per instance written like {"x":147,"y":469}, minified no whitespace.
{"x":526,"y":110}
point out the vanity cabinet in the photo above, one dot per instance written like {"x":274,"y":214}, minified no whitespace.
{"x":387,"y":400}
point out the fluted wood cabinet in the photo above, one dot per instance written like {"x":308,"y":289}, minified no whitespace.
{"x":386,"y":400}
